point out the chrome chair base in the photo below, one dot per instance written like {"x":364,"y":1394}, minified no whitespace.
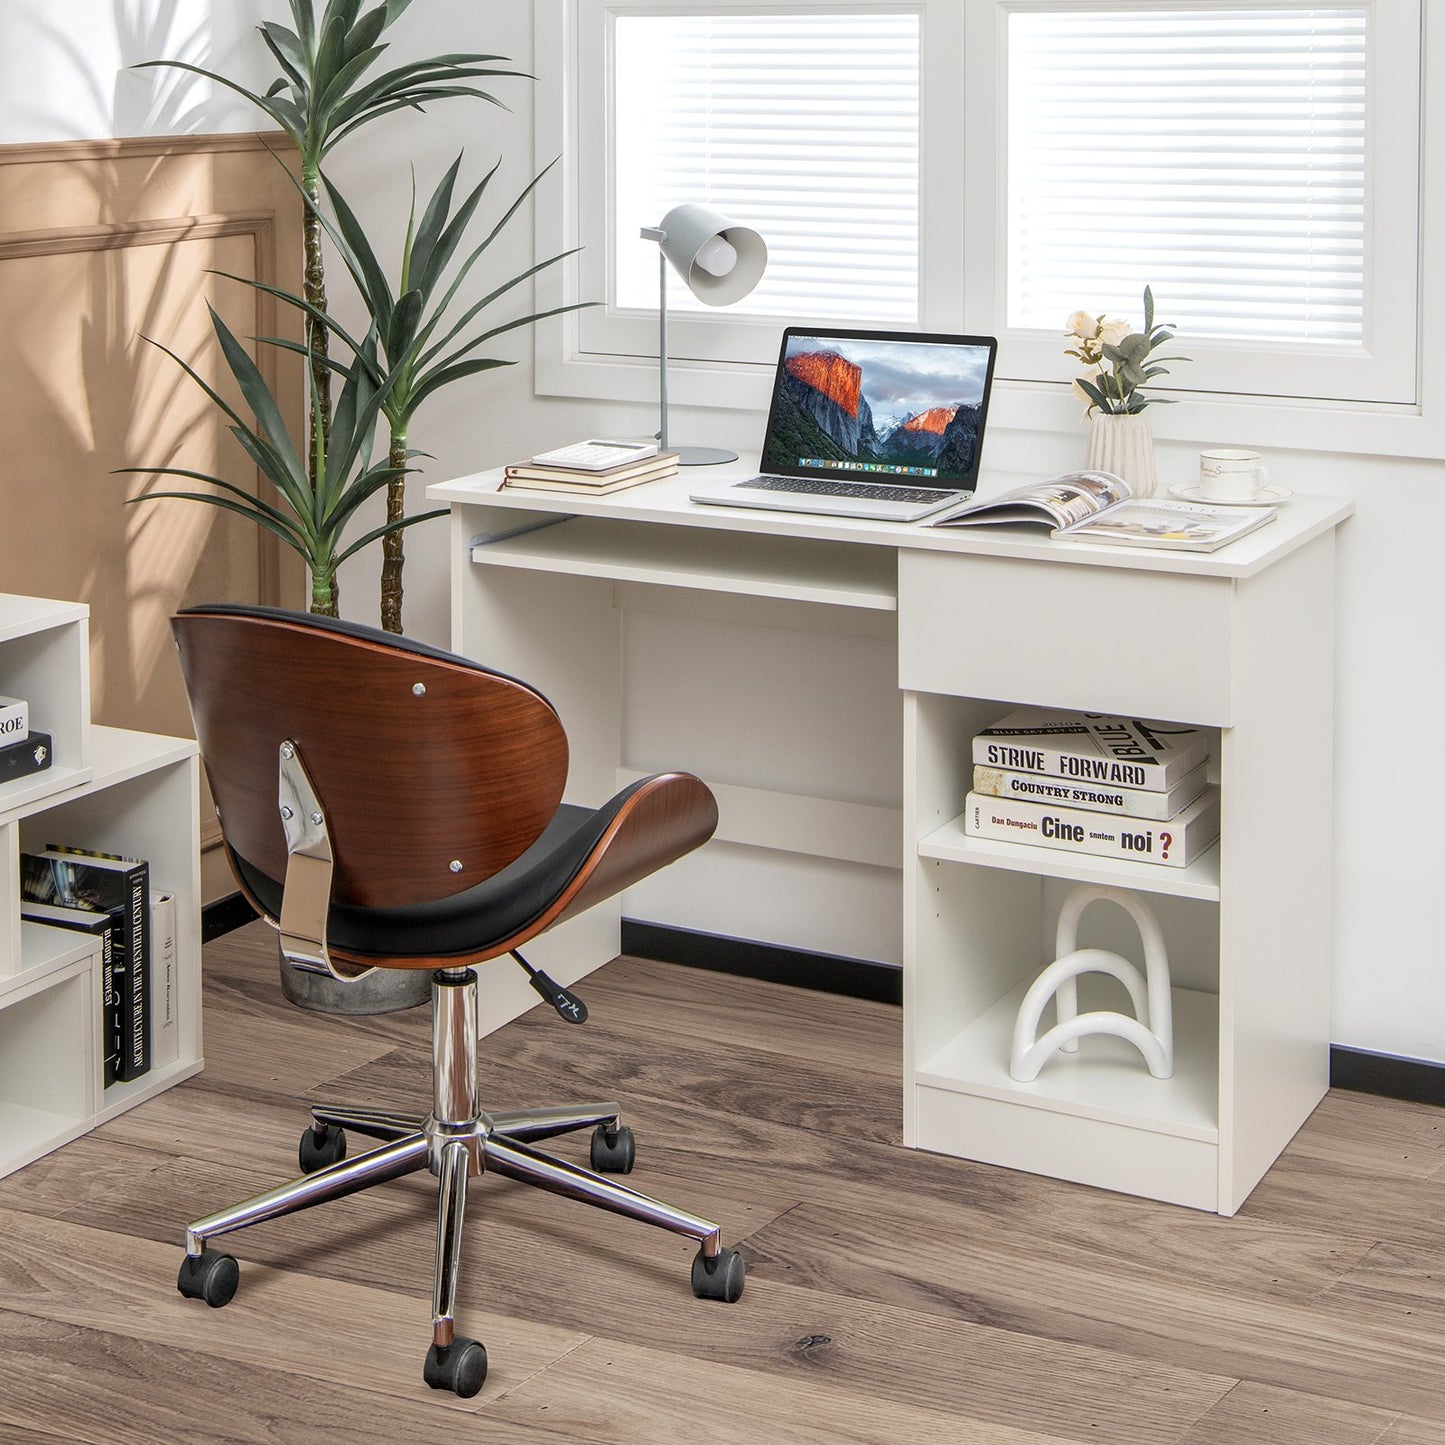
{"x":457,"y":1141}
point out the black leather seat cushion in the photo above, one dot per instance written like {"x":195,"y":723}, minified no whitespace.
{"x":468,"y":922}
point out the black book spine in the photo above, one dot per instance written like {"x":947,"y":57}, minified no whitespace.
{"x":135,"y":1046}
{"x":109,"y":1030}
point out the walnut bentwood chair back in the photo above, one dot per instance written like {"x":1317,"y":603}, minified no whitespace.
{"x":386,"y":804}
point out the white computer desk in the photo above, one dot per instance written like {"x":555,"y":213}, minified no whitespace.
{"x":1241,"y":640}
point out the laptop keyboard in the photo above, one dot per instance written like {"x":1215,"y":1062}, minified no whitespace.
{"x":818,"y":487}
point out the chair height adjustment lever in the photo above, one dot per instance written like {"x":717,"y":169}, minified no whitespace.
{"x":568,"y":1005}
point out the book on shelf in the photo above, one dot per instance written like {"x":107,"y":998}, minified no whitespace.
{"x":165,"y":1019}
{"x":106,"y":883}
{"x":1088,"y":747}
{"x":528,"y":476}
{"x":32,"y":754}
{"x":1100,"y":507}
{"x":1096,"y":797}
{"x":14,"y":719}
{"x":1174,"y":843}
{"x":103,"y":926}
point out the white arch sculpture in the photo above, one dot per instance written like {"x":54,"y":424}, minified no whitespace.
{"x":1148,"y":991}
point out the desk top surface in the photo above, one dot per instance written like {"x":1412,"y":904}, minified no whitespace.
{"x":667,"y":502}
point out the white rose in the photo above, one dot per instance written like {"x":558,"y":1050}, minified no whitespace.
{"x":1082,"y":325}
{"x":1091,"y":374}
{"x":1112,"y":332}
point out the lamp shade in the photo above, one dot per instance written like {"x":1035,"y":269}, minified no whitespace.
{"x":719,"y":260}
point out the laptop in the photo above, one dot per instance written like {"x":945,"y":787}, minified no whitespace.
{"x":886,"y":425}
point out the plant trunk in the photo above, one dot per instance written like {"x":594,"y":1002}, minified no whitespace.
{"x":325,"y":594}
{"x":314,"y":288}
{"x":392,"y":554}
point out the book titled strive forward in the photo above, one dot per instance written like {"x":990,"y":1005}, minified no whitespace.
{"x":1117,"y":752}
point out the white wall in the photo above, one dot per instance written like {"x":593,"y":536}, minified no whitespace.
{"x":60,"y":82}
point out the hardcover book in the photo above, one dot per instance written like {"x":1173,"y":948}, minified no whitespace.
{"x":1096,"y":797}
{"x":660,"y":464}
{"x":14,"y":719}
{"x":165,"y":1023}
{"x":1084,"y":747}
{"x":538,"y":479}
{"x":106,"y":883}
{"x":30,"y":755}
{"x":1174,"y":844}
{"x":103,"y":925}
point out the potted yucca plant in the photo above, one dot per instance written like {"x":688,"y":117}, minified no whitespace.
{"x":415,"y":347}
{"x":328,"y":88}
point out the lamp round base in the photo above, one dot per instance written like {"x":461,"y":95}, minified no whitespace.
{"x":703,"y":456}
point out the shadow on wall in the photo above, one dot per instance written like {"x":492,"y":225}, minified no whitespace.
{"x":100,"y":246}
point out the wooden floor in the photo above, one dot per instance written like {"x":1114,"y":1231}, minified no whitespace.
{"x":892,"y":1296}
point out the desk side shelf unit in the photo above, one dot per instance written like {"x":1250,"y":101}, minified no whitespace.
{"x":108,"y":789}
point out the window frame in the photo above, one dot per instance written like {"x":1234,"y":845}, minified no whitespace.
{"x":963,"y":285}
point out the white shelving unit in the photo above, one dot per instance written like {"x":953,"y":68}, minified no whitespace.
{"x":109,"y":789}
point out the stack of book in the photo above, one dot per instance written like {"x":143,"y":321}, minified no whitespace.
{"x":1113,"y":786}
{"x":535,"y":476}
{"x":22,"y":750}
{"x":111,"y":897}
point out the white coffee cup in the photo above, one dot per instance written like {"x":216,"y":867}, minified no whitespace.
{"x":1230,"y":475}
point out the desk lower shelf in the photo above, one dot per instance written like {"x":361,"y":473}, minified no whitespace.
{"x":1096,"y":1117}
{"x":833,"y":573}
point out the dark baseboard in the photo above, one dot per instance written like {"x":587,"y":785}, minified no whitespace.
{"x":1355,"y":1069}
{"x":822,"y":972}
{"x":1358,"y":1070}
{"x":225,"y":914}
{"x":1417,"y":1080}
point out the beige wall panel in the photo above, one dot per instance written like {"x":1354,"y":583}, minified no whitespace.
{"x":103,"y":244}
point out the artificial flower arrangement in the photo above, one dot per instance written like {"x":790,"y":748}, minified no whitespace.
{"x":1118,"y":359}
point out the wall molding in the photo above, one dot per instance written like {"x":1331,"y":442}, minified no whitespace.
{"x":137,"y":147}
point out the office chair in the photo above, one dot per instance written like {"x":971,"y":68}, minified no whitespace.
{"x":388,"y":805}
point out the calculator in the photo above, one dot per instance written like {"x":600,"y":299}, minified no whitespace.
{"x":600,"y":454}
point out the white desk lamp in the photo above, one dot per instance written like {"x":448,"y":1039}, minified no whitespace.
{"x":721,"y":262}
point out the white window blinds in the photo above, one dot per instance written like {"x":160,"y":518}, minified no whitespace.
{"x":1218,"y":154}
{"x":804,"y":126}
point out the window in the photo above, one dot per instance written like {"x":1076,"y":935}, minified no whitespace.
{"x":803,"y":119}
{"x":1247,"y":162}
{"x":803,"y":126}
{"x":990,"y":167}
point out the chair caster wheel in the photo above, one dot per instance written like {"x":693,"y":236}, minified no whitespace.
{"x":459,"y":1367}
{"x":211,"y":1276}
{"x":319,"y":1150}
{"x":615,"y":1154}
{"x":721,"y":1277}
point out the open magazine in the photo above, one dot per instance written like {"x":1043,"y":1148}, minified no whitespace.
{"x":1099,"y":507}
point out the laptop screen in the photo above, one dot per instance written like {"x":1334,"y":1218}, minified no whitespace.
{"x":880,"y":406}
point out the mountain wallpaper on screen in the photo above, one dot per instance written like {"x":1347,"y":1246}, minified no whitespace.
{"x":822,"y":413}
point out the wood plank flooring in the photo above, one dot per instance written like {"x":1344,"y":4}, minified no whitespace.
{"x":893,"y":1296}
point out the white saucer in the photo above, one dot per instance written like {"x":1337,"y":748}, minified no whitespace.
{"x":1264,"y":497}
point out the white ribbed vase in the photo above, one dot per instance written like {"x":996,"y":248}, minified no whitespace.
{"x":1124,"y":445}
